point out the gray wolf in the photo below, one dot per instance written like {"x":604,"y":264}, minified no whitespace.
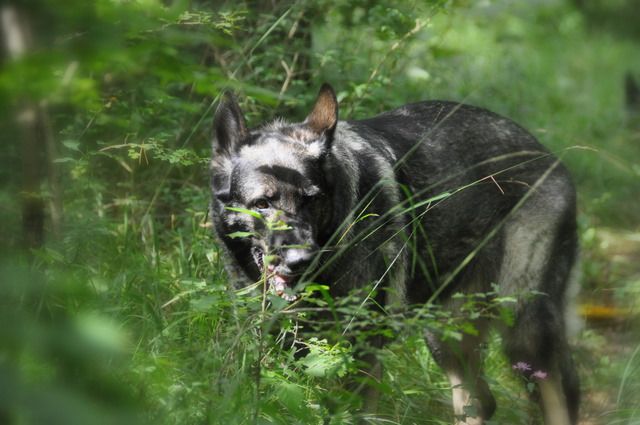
{"x":424,"y":201}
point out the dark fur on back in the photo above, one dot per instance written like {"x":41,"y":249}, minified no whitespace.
{"x":427,"y":199}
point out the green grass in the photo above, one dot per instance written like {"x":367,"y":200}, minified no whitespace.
{"x":128,"y":318}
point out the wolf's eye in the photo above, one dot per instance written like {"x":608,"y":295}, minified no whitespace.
{"x":261,"y":204}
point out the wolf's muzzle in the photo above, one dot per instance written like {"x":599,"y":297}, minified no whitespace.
{"x":294,"y":247}
{"x":297,"y":259}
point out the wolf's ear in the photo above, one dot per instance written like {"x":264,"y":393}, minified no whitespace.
{"x":229,"y":124}
{"x":324,"y":115}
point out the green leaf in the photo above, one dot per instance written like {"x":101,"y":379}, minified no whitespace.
{"x":252,"y":213}
{"x":205,"y":303}
{"x":74,"y":145}
{"x":469,"y":329}
{"x":314,"y":287}
{"x":277,"y":302}
{"x":268,"y":259}
{"x":505,"y":300}
{"x":428,"y":201}
{"x":367,"y":216}
{"x":507,"y":316}
{"x":439,"y":197}
{"x":235,"y":235}
{"x":292,"y":396}
{"x":325,"y":360}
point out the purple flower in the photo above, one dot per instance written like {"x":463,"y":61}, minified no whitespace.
{"x":539,"y":374}
{"x":521,"y":367}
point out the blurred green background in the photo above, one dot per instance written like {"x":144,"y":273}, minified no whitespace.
{"x":113,"y":302}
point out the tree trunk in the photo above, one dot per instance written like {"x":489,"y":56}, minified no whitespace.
{"x":38,"y":147}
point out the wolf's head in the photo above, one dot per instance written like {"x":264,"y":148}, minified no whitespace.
{"x":270,"y":190}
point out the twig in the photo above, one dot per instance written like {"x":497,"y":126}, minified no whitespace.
{"x":494,"y":181}
{"x":289,"y":70}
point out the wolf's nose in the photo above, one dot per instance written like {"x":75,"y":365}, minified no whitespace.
{"x":297,"y":259}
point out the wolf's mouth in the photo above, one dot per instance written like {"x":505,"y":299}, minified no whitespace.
{"x":280,"y":283}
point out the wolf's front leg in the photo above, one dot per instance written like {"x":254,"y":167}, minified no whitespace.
{"x":461,"y":361}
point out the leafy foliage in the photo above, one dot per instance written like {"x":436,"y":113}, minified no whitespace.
{"x":126,"y":316}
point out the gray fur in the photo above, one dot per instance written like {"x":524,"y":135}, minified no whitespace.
{"x":502,"y":211}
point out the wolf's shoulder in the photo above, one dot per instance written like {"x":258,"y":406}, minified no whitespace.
{"x":436,"y":110}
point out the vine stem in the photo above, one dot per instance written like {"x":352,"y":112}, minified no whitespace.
{"x":263,"y":310}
